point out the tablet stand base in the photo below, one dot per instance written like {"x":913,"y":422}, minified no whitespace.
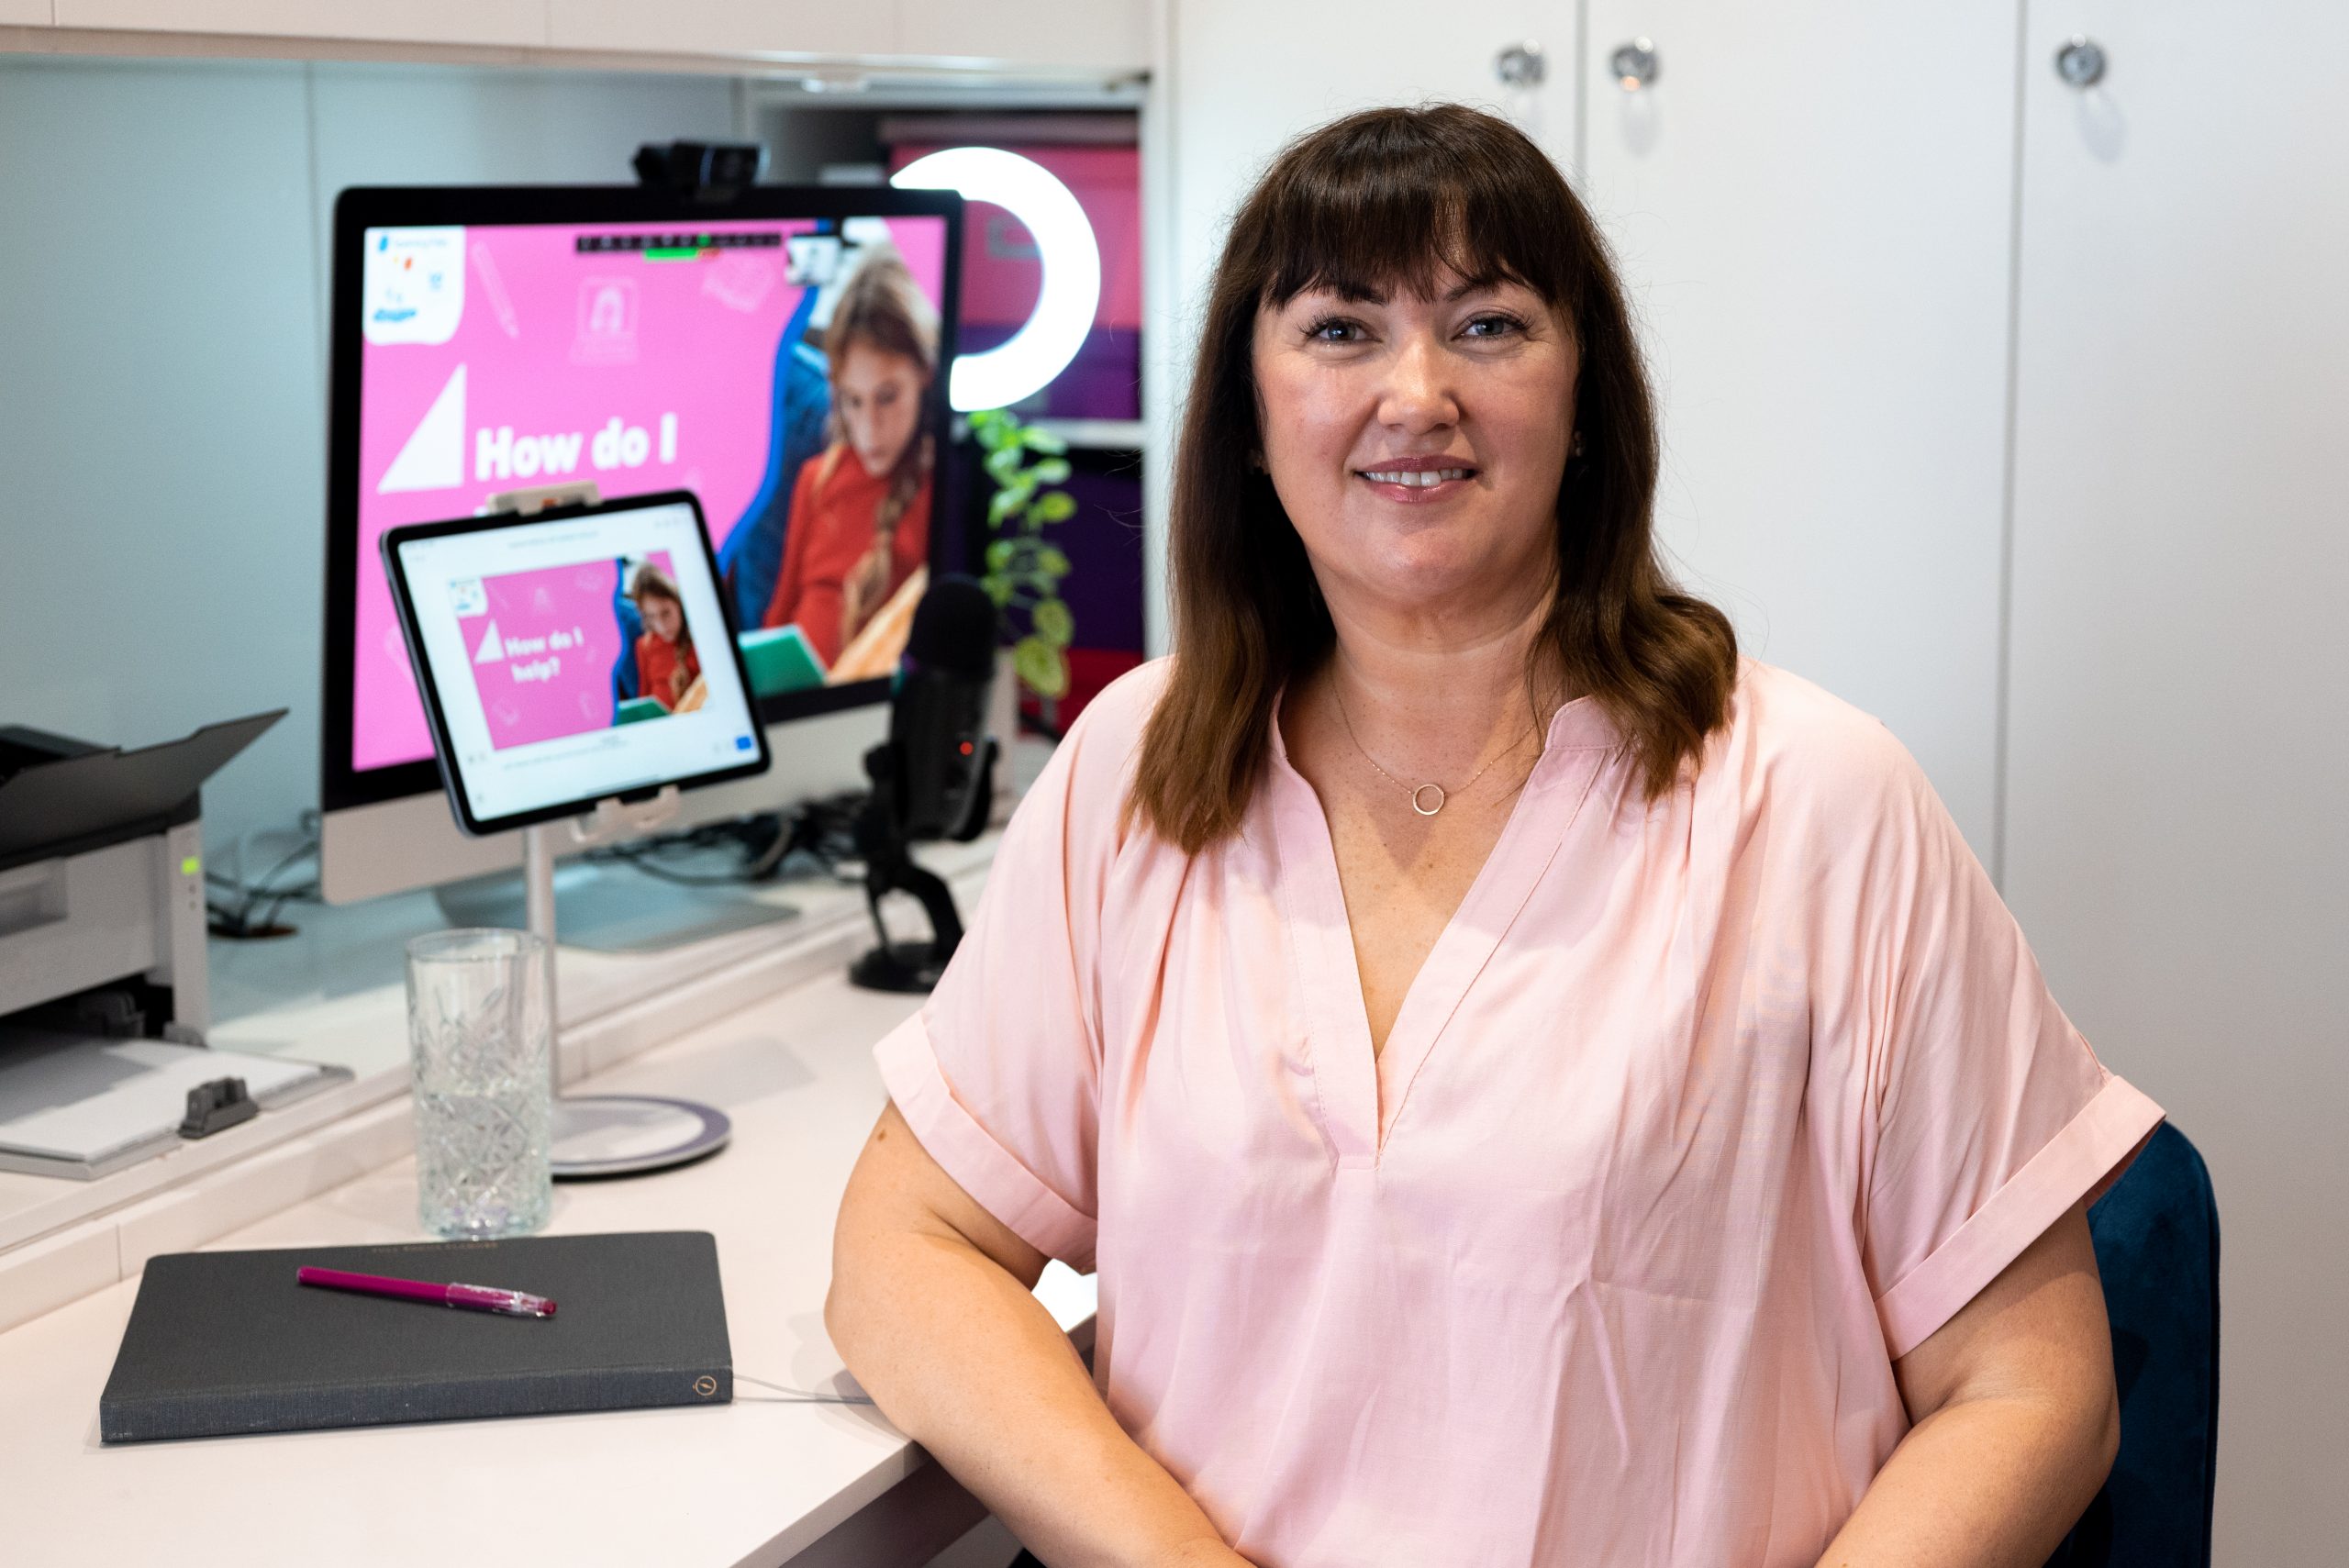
{"x":609,"y":1134}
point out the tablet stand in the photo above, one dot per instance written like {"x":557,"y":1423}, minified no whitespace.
{"x":608,"y":1135}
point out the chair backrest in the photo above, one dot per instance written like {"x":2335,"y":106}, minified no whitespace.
{"x":2157,"y":1246}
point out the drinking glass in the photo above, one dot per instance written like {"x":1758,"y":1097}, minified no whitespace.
{"x":479,"y":1034}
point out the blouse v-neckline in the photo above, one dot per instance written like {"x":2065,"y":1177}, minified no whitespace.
{"x":1361,"y":1093}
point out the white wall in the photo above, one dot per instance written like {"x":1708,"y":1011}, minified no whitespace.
{"x":163,"y":257}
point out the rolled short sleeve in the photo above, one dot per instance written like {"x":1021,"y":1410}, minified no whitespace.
{"x":999,"y":1073}
{"x":1981,"y":1115}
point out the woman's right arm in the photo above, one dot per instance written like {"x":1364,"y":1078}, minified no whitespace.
{"x":931,"y":1307}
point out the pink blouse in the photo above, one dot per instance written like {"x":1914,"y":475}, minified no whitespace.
{"x":1698,"y":1116}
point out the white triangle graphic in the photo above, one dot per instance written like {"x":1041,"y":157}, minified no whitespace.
{"x":492,"y":649}
{"x":434,"y":458}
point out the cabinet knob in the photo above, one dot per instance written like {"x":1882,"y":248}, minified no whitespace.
{"x":1634,"y":64}
{"x":1520,"y":65}
{"x":2080,"y":62}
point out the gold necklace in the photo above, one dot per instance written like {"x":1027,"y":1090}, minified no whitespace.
{"x":1416,"y":796}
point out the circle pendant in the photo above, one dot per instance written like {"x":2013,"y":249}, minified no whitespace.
{"x":1421,"y":794}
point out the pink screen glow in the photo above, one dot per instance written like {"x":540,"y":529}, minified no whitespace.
{"x":639,"y":373}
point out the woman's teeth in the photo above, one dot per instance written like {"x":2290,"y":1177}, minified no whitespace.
{"x":1420,"y":479}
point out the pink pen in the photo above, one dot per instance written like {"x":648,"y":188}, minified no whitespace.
{"x":478,"y":1297}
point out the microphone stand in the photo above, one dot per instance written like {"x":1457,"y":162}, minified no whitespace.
{"x":888,"y":868}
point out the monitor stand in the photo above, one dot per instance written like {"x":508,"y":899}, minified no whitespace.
{"x":608,"y":1135}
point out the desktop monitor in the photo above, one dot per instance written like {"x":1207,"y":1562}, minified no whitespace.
{"x":782,"y":354}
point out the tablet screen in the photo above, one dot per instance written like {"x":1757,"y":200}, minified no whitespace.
{"x":574,"y":658}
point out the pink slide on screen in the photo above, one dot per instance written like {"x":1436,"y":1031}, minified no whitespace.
{"x":543,"y":651}
{"x":641,"y":370}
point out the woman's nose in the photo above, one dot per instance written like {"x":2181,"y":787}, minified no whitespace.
{"x":1418,"y":393}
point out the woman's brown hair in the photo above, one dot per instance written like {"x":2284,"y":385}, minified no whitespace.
{"x":1380,"y":199}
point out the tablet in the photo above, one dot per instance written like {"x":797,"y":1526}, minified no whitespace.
{"x":572,"y":655}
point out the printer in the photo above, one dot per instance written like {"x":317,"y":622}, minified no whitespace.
{"x":102,"y":994}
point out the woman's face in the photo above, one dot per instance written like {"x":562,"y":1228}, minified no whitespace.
{"x":1478,"y":388}
{"x":663,"y":617}
{"x":878,"y":396}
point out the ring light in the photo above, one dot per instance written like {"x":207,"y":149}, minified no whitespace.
{"x":1049,"y":338}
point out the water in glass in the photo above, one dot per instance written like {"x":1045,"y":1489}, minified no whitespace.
{"x":480,"y":1034}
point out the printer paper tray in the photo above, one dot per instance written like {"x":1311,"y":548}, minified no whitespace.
{"x":141,"y":1126}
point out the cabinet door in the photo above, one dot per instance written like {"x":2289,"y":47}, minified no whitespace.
{"x":510,"y":22}
{"x":1811,"y":201}
{"x":2179,"y":783}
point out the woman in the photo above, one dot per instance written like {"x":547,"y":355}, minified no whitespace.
{"x":666,"y":665}
{"x":859,"y":508}
{"x":1538,"y":1087}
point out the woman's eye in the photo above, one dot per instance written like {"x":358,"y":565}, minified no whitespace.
{"x":1328,"y":323}
{"x":1505,"y":324}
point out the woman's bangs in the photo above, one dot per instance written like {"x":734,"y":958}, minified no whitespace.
{"x":1362,"y":234}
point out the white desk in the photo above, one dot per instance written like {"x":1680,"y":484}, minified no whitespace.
{"x":754,"y":1481}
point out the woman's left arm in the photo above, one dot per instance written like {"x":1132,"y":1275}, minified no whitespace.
{"x":2015,"y":1422}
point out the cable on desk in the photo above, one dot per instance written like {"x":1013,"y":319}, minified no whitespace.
{"x":820,"y":831}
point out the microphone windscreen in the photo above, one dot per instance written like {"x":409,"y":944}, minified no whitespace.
{"x":954,"y":628}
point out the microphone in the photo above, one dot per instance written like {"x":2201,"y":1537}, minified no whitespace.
{"x":933,"y":778}
{"x":938,"y":718}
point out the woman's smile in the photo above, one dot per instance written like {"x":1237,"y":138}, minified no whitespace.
{"x":1416,"y":481}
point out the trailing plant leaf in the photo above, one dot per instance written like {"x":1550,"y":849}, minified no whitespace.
{"x":1040,"y":664}
{"x":1052,"y":622}
{"x":1023,"y":572}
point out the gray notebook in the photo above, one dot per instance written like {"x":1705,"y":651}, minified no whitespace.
{"x":221,"y":1343}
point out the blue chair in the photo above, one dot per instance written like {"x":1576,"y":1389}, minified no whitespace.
{"x":2156,"y":1236}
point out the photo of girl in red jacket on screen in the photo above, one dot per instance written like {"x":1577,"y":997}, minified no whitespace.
{"x":667,"y":669}
{"x":859,"y":508}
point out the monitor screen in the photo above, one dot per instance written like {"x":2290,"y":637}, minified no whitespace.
{"x":573,"y":656}
{"x":783,"y":360}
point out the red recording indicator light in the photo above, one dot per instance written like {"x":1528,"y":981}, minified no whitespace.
{"x":966,"y":747}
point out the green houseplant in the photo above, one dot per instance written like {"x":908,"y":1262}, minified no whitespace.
{"x":1023,"y":568}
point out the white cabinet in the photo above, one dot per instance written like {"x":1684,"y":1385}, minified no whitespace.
{"x":476,"y":22}
{"x":1810,"y":205}
{"x":1108,"y":35}
{"x":1101,"y":34}
{"x":722,"y":27}
{"x":2177,"y":840}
